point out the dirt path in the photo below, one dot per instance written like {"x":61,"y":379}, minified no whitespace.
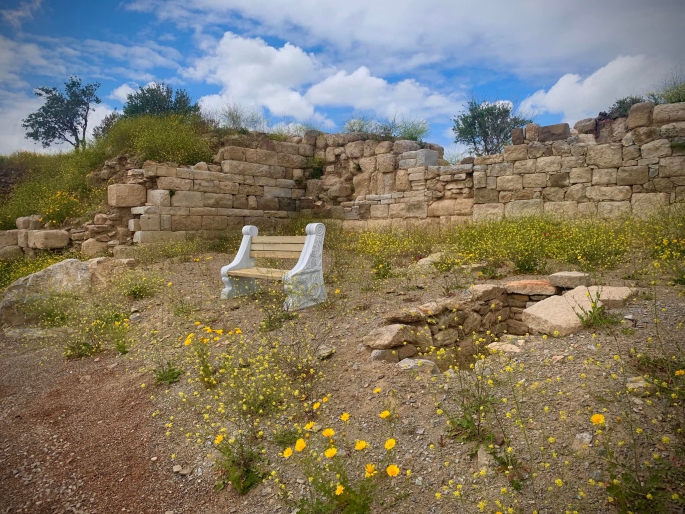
{"x":77,"y":437}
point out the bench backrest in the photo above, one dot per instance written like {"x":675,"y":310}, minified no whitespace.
{"x":278,"y":247}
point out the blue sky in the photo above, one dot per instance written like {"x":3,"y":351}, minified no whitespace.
{"x":321,"y":61}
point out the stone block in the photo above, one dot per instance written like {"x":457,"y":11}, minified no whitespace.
{"x":536,"y":150}
{"x":367,"y":164}
{"x":408,"y":210}
{"x":559,"y":179}
{"x":515,"y":153}
{"x":553,"y":194}
{"x":548,"y":164}
{"x":175,"y":184}
{"x":246,"y":189}
{"x":631,"y":152}
{"x":355,"y":150}
{"x":640,"y":115}
{"x":644,"y":135}
{"x":668,"y":113}
{"x":10,"y":253}
{"x":126,"y":195}
{"x":603,"y":193}
{"x":234,"y":153}
{"x":184,"y":223}
{"x":134,"y":225}
{"x":218,"y":200}
{"x":214,"y":222}
{"x":565,"y":209}
{"x":532,"y":131}
{"x":92,"y":246}
{"x":535,"y":180}
{"x":631,"y":175}
{"x":479,"y":179}
{"x":187,"y":199}
{"x":9,"y":238}
{"x":384,"y":147}
{"x":405,"y":146}
{"x":572,"y":161}
{"x":673,"y":130}
{"x":379,"y":211}
{"x":555,"y":315}
{"x":253,"y":169}
{"x":159,"y":197}
{"x":645,"y":204}
{"x":530,"y":287}
{"x":670,"y":167}
{"x":486,"y":196}
{"x":517,"y":136}
{"x":277,"y":192}
{"x":554,"y":132}
{"x":500,"y":169}
{"x":425,"y":157}
{"x":605,"y":156}
{"x":613,"y":210}
{"x":527,"y":166}
{"x":386,"y":163}
{"x":603,"y":177}
{"x":49,"y":239}
{"x":23,"y":223}
{"x":488,"y":211}
{"x":586,"y":126}
{"x":150,"y":222}
{"x":520,"y":208}
{"x":488,"y":159}
{"x":509,"y":183}
{"x":580,"y":175}
{"x":143,"y":237}
{"x":658,"y":148}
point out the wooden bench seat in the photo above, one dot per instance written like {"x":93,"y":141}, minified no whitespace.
{"x":303,"y":284}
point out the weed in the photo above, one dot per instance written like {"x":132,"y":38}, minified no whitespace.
{"x":596,"y":315}
{"x":286,"y":437}
{"x":167,"y":374}
{"x":238,"y":465}
{"x":135,"y":286}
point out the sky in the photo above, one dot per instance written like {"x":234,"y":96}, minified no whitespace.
{"x":321,"y":62}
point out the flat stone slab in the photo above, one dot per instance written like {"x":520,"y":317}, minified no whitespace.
{"x":390,"y":336}
{"x":554,"y":315}
{"x":409,"y":315}
{"x":503,"y":347}
{"x":531,"y":287}
{"x":569,"y":279}
{"x":389,"y":356}
{"x":612,"y":297}
{"x":419,"y":365}
{"x":485,"y":292}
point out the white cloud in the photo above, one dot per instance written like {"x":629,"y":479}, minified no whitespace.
{"x":575,"y":97}
{"x":121,"y":93}
{"x":25,"y":11}
{"x":17,"y":56}
{"x":392,"y":36}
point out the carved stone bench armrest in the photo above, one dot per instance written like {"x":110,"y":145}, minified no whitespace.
{"x":234,"y":286}
{"x":304,"y":283}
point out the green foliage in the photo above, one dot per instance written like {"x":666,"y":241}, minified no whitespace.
{"x":596,"y":315}
{"x":240,"y":118}
{"x":672,"y":89}
{"x":15,"y":269}
{"x":317,"y":165}
{"x":414,"y":129}
{"x":486,"y":127}
{"x":159,"y":99}
{"x":64,"y":115}
{"x":167,"y":374}
{"x":239,"y":465}
{"x":135,"y":286}
{"x":622,"y":106}
{"x":170,"y":138}
{"x":93,"y":327}
{"x":107,"y":123}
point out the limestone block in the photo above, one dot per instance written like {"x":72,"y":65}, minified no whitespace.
{"x":532,"y":131}
{"x":527,"y":166}
{"x":569,"y":279}
{"x":645,"y":204}
{"x":176,"y":184}
{"x":278,"y":192}
{"x":554,"y":315}
{"x":605,"y":156}
{"x":246,"y":189}
{"x":488,"y":211}
{"x":640,"y":115}
{"x":670,"y":167}
{"x":143,"y":237}
{"x":580,"y":175}
{"x":390,"y":336}
{"x":630,"y":175}
{"x":586,"y":126}
{"x":554,"y":132}
{"x":384,"y":147}
{"x":338,"y":191}
{"x":536,"y":150}
{"x":150,"y":222}
{"x":404,"y":146}
{"x":553,"y":194}
{"x":92,"y":246}
{"x":519,"y":208}
{"x":183,"y":223}
{"x":355,"y":150}
{"x":601,"y":193}
{"x":559,"y":179}
{"x":187,"y":199}
{"x":425,"y":157}
{"x":126,"y":195}
{"x":408,"y":210}
{"x":9,"y":238}
{"x":134,"y":225}
{"x":159,"y":197}
{"x":587,"y":209}
{"x":463,"y":206}
{"x":10,"y":253}
{"x":535,"y":180}
{"x":613,"y":210}
{"x":218,"y":200}
{"x":530,"y":287}
{"x":572,"y":161}
{"x":23,"y":223}
{"x":631,"y":152}
{"x":486,"y":195}
{"x":658,"y":148}
{"x":668,"y":113}
{"x":379,"y":211}
{"x":367,"y":164}
{"x":603,"y":177}
{"x":287,"y":160}
{"x":500,"y":169}
{"x":566,"y":209}
{"x":49,"y":239}
{"x":253,"y":169}
{"x":489,"y":159}
{"x":515,"y":153}
{"x":509,"y":183}
{"x":479,"y":179}
{"x":548,"y":164}
{"x":234,"y":153}
{"x":673,"y":129}
{"x":386,"y":163}
{"x":517,"y":136}
{"x":214,"y":222}
{"x":644,"y":135}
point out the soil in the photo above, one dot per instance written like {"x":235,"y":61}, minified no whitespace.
{"x":79,"y":435}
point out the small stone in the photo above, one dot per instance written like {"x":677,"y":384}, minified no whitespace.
{"x":504,"y":347}
{"x":420,"y":431}
{"x":485,"y":292}
{"x":325,"y":351}
{"x":389,"y":356}
{"x":411,"y":315}
{"x":184,"y":472}
{"x":153,"y":459}
{"x":419,"y":365}
{"x":531,"y":287}
{"x":177,"y":468}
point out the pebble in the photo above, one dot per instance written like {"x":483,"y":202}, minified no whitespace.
{"x":177,"y":468}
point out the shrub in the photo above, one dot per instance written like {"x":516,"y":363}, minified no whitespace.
{"x":622,"y":106}
{"x":672,"y":89}
{"x":171,"y":138}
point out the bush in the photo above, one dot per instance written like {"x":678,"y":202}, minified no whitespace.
{"x":672,"y":89}
{"x":171,"y":138}
{"x":621,"y":107}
